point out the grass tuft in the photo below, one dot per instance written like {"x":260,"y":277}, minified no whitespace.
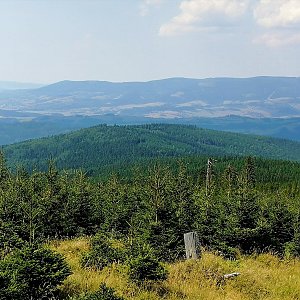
{"x":263,"y":276}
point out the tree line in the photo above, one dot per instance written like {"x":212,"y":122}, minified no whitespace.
{"x":100,"y":148}
{"x":237,"y":205}
{"x":232,"y":212}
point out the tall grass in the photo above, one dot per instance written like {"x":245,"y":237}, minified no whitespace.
{"x":263,"y":276}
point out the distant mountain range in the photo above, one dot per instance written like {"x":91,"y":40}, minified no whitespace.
{"x":260,"y":105}
{"x":169,"y":98}
{"x":102,"y":147}
{"x":12,"y":85}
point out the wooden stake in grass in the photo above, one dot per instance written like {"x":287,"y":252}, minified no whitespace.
{"x":192,"y":245}
{"x":209,"y":172}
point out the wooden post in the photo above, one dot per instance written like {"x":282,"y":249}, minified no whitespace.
{"x":192,"y":245}
{"x":208,"y":176}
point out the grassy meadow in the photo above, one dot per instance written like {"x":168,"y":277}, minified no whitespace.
{"x":263,"y":276}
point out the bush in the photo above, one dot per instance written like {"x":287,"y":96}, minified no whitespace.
{"x":142,"y":261}
{"x":103,"y":253}
{"x":104,"y":293}
{"x":9,"y":239}
{"x":292,"y":249}
{"x":145,"y":267}
{"x":31,"y":273}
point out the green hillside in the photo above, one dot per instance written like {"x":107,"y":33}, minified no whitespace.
{"x":107,"y":146}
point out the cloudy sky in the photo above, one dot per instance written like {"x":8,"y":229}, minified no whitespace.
{"x":46,"y":41}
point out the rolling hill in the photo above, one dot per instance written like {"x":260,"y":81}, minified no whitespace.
{"x":260,"y":105}
{"x":14,"y":130}
{"x":102,"y":146}
{"x":167,"y":98}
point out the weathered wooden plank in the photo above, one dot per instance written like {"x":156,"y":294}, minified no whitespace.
{"x":192,"y":245}
{"x":231,"y":275}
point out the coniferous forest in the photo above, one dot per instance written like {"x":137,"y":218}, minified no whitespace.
{"x":150,"y":150}
{"x":136,"y":219}
{"x":101,"y":149}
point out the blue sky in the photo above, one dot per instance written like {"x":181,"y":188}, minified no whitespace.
{"x":138,"y":40}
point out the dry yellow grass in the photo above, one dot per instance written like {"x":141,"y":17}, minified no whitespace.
{"x":262,"y":276}
{"x":83,"y":280}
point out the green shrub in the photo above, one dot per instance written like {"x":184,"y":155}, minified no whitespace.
{"x":292,"y":249}
{"x":145,"y":267}
{"x":142,"y":261}
{"x":9,"y":239}
{"x":31,"y":273}
{"x":104,"y":293}
{"x":103,"y":253}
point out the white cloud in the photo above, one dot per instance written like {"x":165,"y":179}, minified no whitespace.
{"x":147,"y":4}
{"x":277,"y":13}
{"x":281,"y":20}
{"x":203,"y":14}
{"x":278,"y":39}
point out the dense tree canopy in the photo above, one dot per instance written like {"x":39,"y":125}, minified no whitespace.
{"x":249,"y":205}
{"x":101,"y":149}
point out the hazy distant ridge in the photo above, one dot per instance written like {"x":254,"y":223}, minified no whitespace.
{"x":12,"y":85}
{"x":167,"y":98}
{"x":259,"y":105}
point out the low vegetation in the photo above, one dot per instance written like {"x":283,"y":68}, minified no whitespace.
{"x":32,"y":272}
{"x":263,"y":276}
{"x":242,"y":211}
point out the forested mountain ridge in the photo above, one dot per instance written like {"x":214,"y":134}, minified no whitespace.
{"x":102,"y":146}
{"x":258,"y":105}
{"x":17,"y":127}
